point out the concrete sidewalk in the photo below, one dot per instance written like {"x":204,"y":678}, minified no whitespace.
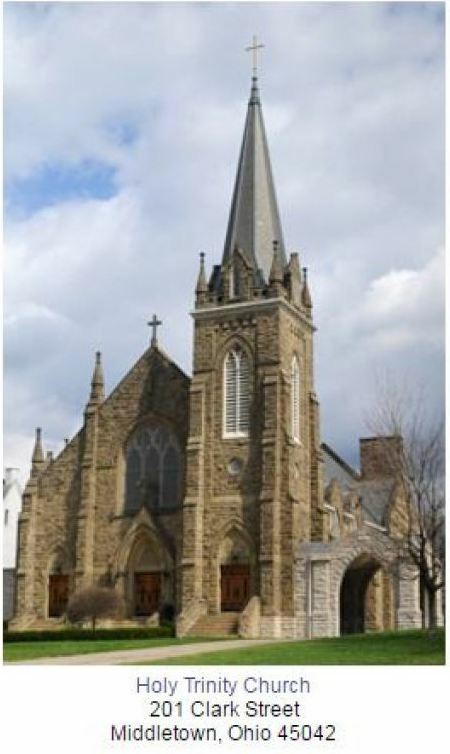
{"x":130,"y":656}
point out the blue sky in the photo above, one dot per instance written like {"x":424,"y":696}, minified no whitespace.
{"x":122,"y":131}
{"x":54,"y":183}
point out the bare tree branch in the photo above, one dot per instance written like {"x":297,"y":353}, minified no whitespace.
{"x":417,"y":461}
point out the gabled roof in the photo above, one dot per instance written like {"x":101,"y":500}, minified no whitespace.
{"x":254,"y":221}
{"x":336,"y":468}
{"x":375,"y":498}
{"x":375,"y":494}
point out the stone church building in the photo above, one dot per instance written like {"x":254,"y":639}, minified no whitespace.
{"x":211,"y":497}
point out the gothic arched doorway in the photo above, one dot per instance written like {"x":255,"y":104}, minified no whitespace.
{"x":58,"y":584}
{"x":150,"y":578}
{"x":366,"y":597}
{"x":234,"y":572}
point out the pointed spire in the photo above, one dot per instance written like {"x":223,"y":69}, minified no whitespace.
{"x":201,"y":288}
{"x":306,"y":296}
{"x":37,"y":459}
{"x":254,"y":219}
{"x":98,"y":382}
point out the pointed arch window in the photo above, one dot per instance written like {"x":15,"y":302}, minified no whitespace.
{"x":153,"y":470}
{"x":295,"y":400}
{"x":236,"y":394}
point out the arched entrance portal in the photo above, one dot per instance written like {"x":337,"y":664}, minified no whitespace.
{"x":235,"y":573}
{"x":150,"y":578}
{"x":58,"y":585}
{"x":366,"y":597}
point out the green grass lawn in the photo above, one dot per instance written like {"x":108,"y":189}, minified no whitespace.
{"x":391,"y":648}
{"x":30,"y":650}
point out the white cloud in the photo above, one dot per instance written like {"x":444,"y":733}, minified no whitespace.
{"x":406,"y":306}
{"x":354,"y":116}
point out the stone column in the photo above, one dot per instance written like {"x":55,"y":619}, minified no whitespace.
{"x":270,"y":560}
{"x":319,"y":613}
{"x":84,"y":573}
{"x":193,"y":504}
{"x":25,"y":575}
{"x":408,"y":596}
{"x":318,"y":518}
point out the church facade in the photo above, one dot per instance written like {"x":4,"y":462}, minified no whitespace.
{"x":212,"y":498}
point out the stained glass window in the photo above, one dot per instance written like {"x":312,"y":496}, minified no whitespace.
{"x":153,"y":470}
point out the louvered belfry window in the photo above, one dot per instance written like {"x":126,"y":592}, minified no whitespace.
{"x":236,"y":394}
{"x":295,"y":400}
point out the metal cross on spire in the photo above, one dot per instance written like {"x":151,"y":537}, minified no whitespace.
{"x":154,"y":324}
{"x":253,"y":48}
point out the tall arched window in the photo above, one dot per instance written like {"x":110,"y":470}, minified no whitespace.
{"x":153,"y":473}
{"x":236,"y":394}
{"x":295,"y":400}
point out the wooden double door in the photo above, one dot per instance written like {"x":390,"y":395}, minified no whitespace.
{"x":147,"y":592}
{"x":234,"y":586}
{"x":58,"y":594}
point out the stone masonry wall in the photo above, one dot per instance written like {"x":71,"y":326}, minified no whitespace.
{"x":154,"y":391}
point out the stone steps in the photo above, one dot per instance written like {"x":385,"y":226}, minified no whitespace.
{"x":222,"y":624}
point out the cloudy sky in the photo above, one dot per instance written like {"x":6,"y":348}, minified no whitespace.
{"x":123,"y":124}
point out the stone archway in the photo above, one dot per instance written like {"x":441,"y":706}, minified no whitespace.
{"x":147,"y":576}
{"x":368,"y":562}
{"x":366,"y":598}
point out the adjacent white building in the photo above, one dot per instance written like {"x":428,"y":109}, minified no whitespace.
{"x":12,"y":503}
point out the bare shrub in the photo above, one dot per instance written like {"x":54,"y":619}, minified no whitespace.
{"x":93,"y":603}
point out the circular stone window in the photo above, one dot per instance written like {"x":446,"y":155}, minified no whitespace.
{"x":235,"y":466}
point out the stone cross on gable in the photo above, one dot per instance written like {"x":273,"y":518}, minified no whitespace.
{"x":154,"y":324}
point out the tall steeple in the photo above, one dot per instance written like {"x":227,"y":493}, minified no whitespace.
{"x":254,"y":222}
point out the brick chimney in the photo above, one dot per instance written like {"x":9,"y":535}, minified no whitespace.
{"x":379,"y":456}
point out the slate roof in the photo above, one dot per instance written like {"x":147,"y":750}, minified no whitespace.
{"x":374,"y":494}
{"x":254,"y":221}
{"x":336,"y":468}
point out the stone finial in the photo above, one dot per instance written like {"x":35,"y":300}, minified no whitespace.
{"x":37,"y":459}
{"x":276,"y":271}
{"x":98,"y":382}
{"x":306,"y":296}
{"x":294,"y":280}
{"x":294,"y":264}
{"x":49,"y":457}
{"x":201,"y":288}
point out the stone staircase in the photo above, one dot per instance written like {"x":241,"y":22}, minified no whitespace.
{"x":222,"y":624}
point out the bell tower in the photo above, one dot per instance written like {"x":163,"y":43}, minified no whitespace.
{"x":253,"y":459}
